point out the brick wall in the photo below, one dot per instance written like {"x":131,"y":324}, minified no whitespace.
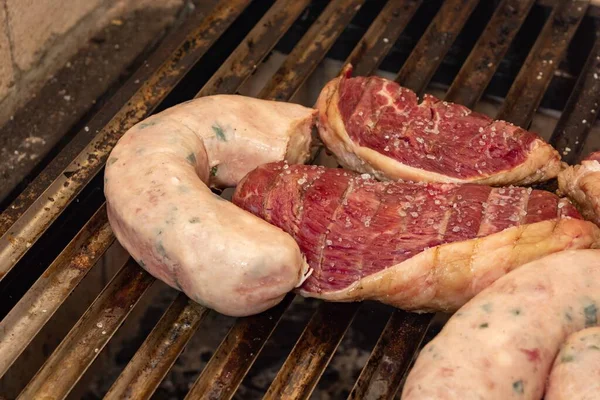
{"x":38,"y":36}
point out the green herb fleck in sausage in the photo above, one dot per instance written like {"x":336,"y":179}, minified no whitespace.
{"x":112,"y":160}
{"x":191,"y":158}
{"x":213,"y":170}
{"x":591,"y":319}
{"x":568,"y":316}
{"x":161,"y":249}
{"x":194,"y":220}
{"x":484,"y":325}
{"x":145,"y":124}
{"x":219,"y":133}
{"x":518,"y":387}
{"x":565,"y":358}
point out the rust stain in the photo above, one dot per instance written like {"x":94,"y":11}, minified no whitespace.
{"x":391,"y":357}
{"x":310,"y":50}
{"x":259,"y":42}
{"x":534,"y":77}
{"x":424,"y":60}
{"x":480,"y":66}
{"x":570,"y":134}
{"x":301,"y":371}
{"x":151,"y":362}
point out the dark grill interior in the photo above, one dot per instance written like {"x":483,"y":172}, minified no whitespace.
{"x":529,"y":53}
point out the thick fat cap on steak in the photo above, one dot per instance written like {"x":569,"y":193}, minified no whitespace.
{"x":350,"y":226}
{"x":582,"y":184}
{"x":374,"y":125}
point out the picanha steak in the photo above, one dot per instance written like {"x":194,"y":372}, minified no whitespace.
{"x":374,"y":125}
{"x":416,"y":246}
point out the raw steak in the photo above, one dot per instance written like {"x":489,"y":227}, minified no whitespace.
{"x":582,"y":184}
{"x":374,"y":125}
{"x":416,"y":246}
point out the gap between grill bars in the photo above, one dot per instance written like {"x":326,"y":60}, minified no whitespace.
{"x":391,"y":357}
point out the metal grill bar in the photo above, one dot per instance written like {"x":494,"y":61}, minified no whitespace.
{"x":581,"y":109}
{"x":37,"y":306}
{"x":263,"y":37}
{"x":425,"y":59}
{"x":29,"y":227}
{"x":88,"y":337}
{"x":391,"y":356}
{"x":478,"y":70}
{"x":159,"y":351}
{"x":235,"y":355}
{"x":534,"y":77}
{"x":381,"y":36}
{"x":310,"y":50}
{"x":312,"y":352}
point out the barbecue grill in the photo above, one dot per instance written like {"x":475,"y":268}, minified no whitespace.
{"x":526,"y":53}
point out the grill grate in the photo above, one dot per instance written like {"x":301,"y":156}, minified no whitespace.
{"x":23,"y":224}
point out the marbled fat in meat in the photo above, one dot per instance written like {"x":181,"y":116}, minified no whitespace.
{"x":433,"y":135}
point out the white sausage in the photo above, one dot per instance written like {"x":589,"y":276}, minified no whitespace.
{"x":162,"y":211}
{"x":502,"y":343}
{"x":576,"y":371}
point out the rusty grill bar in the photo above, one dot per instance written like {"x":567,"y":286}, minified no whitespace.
{"x":26,"y":220}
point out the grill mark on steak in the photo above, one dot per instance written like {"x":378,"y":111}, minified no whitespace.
{"x":420,"y":229}
{"x":482,"y":225}
{"x":343,"y":253}
{"x":287,"y":197}
{"x":338,"y":210}
{"x":541,"y":206}
{"x":567,"y":210}
{"x":505,"y":208}
{"x":465,"y":218}
{"x":254,"y":192}
{"x":525,"y":205}
{"x":321,"y":202}
{"x":388,"y":222}
{"x":443,"y":226}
